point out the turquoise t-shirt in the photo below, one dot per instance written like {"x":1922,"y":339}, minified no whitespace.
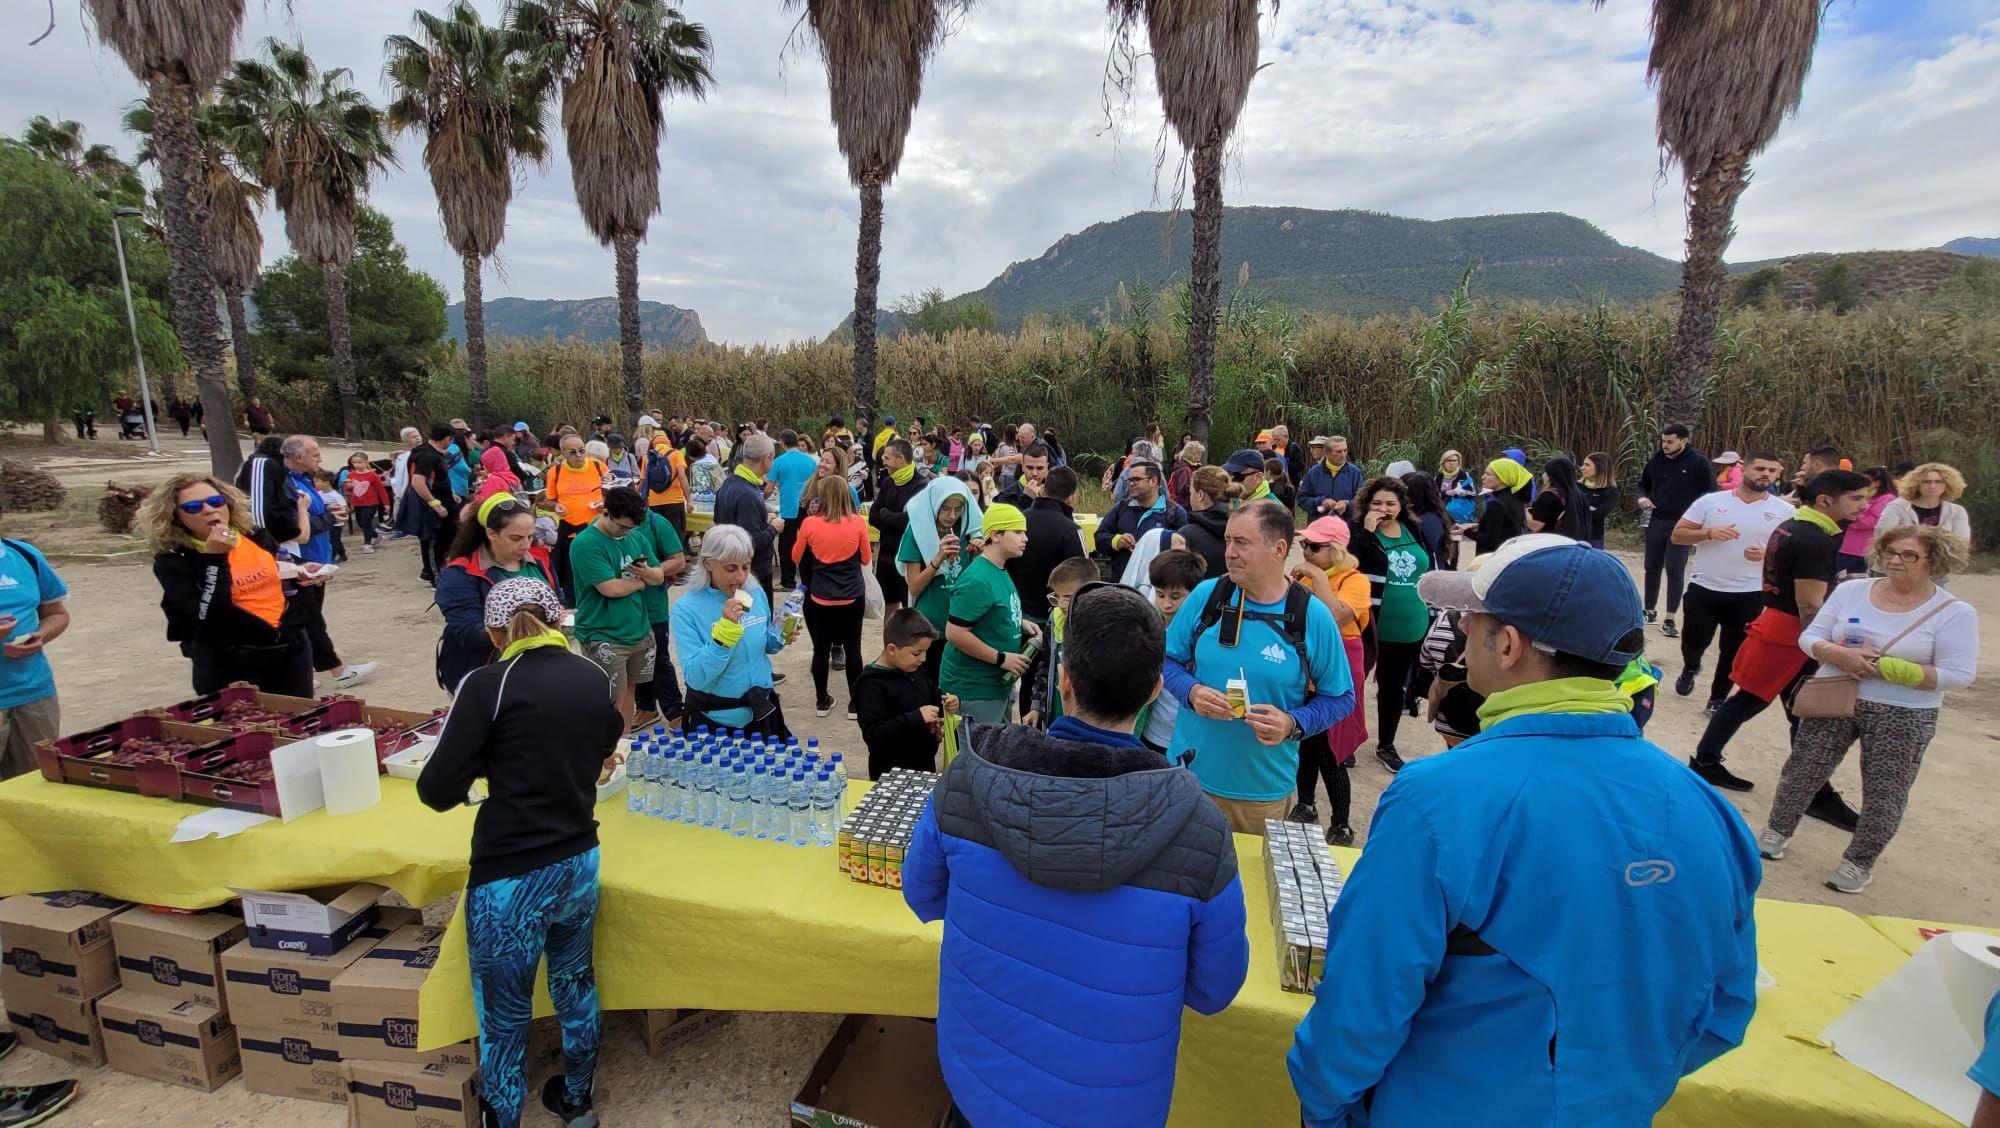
{"x":595,"y":557}
{"x":1228,"y":759}
{"x":792,"y":470}
{"x":26,"y":582}
{"x":984,"y":601}
{"x":1985,"y":1071}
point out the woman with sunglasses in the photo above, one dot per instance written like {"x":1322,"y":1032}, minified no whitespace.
{"x":227,"y":603}
{"x":1334,"y":577}
{"x":497,"y":544}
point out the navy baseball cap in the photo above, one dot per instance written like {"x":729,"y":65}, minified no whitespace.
{"x":1562,"y":594}
{"x":1244,"y":461}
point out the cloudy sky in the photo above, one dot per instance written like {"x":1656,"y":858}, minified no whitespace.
{"x":1423,"y":108}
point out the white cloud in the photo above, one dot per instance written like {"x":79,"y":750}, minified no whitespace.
{"x":1417,"y":107}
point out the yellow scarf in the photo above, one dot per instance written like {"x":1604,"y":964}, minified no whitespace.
{"x":902,"y":475}
{"x":1817,"y":520}
{"x":749,"y":475}
{"x":1558,"y":695}
{"x":546,"y":638}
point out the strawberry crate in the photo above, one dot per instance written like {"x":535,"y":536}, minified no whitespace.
{"x":233,"y":772}
{"x":242,"y":707}
{"x":103,"y":756}
{"x":395,"y":729}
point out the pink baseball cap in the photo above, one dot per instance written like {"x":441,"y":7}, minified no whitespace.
{"x":1328,"y":530}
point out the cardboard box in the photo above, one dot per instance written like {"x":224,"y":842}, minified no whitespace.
{"x":57,"y":945}
{"x":175,"y":956}
{"x":169,"y":1040}
{"x":288,"y":991}
{"x":662,"y":1030}
{"x":390,"y":1094}
{"x":290,"y":1064}
{"x":389,"y":918}
{"x":878,"y":1072}
{"x":59,"y":1026}
{"x":375,"y":1001}
{"x":317,"y":924}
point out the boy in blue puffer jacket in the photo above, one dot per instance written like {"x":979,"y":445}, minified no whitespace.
{"x":1089,"y":892}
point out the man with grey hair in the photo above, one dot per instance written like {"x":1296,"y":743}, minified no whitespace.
{"x":313,"y":548}
{"x":1329,"y":485}
{"x":739,"y":501}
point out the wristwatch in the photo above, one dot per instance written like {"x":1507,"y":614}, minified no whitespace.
{"x":1298,"y":731}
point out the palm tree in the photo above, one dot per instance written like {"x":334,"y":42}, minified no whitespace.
{"x":477,"y":93}
{"x":875,"y":55}
{"x":1728,"y":73}
{"x":179,"y":48}
{"x":619,"y":60}
{"x":98,"y":166}
{"x":235,"y":242}
{"x":315,"y":142}
{"x":1204,"y":56}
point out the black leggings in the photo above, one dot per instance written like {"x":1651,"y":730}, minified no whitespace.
{"x":1662,"y":551}
{"x":832,"y":626}
{"x":366,"y":516}
{"x":1729,"y":612}
{"x":664,"y":691}
{"x":1394,"y":663}
{"x":1316,"y":757}
{"x":287,"y":669}
{"x":788,"y":572}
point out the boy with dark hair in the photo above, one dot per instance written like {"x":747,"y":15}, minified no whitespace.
{"x":1173,"y":574}
{"x":1044,"y":702}
{"x":610,"y":569}
{"x":900,"y":712}
{"x":1076,"y":869}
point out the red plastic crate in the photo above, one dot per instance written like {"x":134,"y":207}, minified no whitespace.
{"x":395,"y":729}
{"x":199,"y":782}
{"x":82,"y":758}
{"x":208,"y":709}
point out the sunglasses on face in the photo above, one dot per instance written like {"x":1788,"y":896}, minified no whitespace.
{"x":216,"y":501}
{"x":1312,"y":546}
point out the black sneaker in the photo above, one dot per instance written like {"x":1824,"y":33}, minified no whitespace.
{"x":1714,"y":703}
{"x":1720,"y":777}
{"x":1303,"y":813}
{"x":1390,"y":760}
{"x":1684,"y":684}
{"x":1340,"y":836}
{"x":1668,"y":630}
{"x":22,"y":1105}
{"x":1652,"y":617}
{"x":556,"y":1100}
{"x":777,"y":679}
{"x":1829,"y":807}
{"x":1412,"y":707}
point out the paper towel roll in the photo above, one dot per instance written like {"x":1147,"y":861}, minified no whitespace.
{"x":349,"y":770}
{"x":1970,"y":965}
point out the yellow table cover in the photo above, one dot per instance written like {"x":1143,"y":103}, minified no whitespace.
{"x":1909,"y":935}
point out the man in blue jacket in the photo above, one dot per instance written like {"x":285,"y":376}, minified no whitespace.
{"x":1088,"y":893}
{"x":1146,"y":508}
{"x":1331,"y":483}
{"x":1552,"y":924}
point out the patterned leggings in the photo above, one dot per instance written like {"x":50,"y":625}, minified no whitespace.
{"x":1893,"y":739}
{"x":509,"y":923}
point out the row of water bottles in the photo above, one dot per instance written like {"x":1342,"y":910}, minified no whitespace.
{"x":747,"y":786}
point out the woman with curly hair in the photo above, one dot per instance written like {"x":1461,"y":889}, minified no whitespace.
{"x":1930,"y":496}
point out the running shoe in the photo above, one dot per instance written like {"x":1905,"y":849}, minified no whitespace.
{"x":556,"y":1100}
{"x":1717,"y":776}
{"x":22,"y":1105}
{"x":354,"y":675}
{"x":824,"y":708}
{"x":1390,"y":760}
{"x":1684,"y":684}
{"x":1668,"y":629}
{"x":1340,"y":835}
{"x":1303,"y":813}
{"x":1771,"y":844}
{"x":1828,"y":807}
{"x":1845,"y":878}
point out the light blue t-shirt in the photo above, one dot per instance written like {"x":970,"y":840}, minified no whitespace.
{"x":792,"y":470}
{"x":1228,"y":759}
{"x":725,"y":671}
{"x":26,"y":582}
{"x":1985,"y":1071}
{"x":460,"y":472}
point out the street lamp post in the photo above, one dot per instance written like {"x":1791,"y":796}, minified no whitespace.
{"x":132,"y":319}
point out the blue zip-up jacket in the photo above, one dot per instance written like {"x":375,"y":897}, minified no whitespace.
{"x":1135,"y":520}
{"x":1088,"y":893}
{"x":1551,"y":925}
{"x":1320,"y":484}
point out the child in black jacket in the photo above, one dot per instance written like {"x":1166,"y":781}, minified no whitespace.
{"x":900,"y":712}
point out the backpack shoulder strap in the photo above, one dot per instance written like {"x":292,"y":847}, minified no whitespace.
{"x":1219,"y":598}
{"x":1298,"y":604}
{"x":41,"y":566}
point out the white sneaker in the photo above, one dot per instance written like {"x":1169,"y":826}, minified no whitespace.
{"x":1771,"y":844}
{"x":367,"y":550}
{"x":354,"y":675}
{"x":1848,"y":878}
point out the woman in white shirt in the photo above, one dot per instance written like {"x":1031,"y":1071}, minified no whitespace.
{"x":1920,"y":641}
{"x":1930,"y":497}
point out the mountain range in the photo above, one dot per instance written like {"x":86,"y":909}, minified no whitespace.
{"x":592,"y":319}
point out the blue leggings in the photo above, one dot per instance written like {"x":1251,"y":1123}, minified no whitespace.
{"x":509,"y":923}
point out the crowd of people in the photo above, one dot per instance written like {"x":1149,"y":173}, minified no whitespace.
{"x":1122,"y":702}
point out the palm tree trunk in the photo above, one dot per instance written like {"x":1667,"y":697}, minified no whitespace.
{"x":475,"y":341}
{"x":184,"y":209}
{"x":630,"y":347}
{"x":52,"y":430}
{"x":239,"y":337}
{"x":1204,"y":285}
{"x":1712,"y":196}
{"x":867,"y":279}
{"x":333,"y":277}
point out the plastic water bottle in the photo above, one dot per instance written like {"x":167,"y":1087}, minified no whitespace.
{"x":635,"y":779}
{"x":825,"y":813}
{"x":760,"y":801}
{"x":1854,"y":637}
{"x":706,"y":807}
{"x":799,"y":800}
{"x":690,"y":765}
{"x":648,"y":781}
{"x":668,"y":761}
{"x":839,"y":792}
{"x":738,"y":795}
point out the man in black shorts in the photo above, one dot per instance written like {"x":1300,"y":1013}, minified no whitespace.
{"x":901,"y":480}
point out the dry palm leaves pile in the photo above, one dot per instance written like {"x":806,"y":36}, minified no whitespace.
{"x":25,"y":489}
{"x":119,"y":506}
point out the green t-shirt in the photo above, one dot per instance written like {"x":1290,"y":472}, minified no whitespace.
{"x":985,"y":601}
{"x":528,"y":568}
{"x":935,"y":602}
{"x":661,"y":543}
{"x":1405,"y":617}
{"x":594,"y":558}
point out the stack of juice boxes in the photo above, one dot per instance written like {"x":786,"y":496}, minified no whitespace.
{"x":876,"y":834}
{"x":1303,"y":883}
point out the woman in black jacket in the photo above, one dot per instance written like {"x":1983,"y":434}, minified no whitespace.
{"x":227,"y":601}
{"x":1209,"y":494}
{"x":1505,"y":515}
{"x":1600,"y":494}
{"x":1560,"y":507}
{"x":538,"y":725}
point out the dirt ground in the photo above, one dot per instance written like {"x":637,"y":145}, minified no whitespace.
{"x":115,"y":658}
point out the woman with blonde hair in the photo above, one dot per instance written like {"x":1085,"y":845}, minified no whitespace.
{"x":1930,"y":496}
{"x":1210,"y":492}
{"x":228,"y":602}
{"x":1185,"y":464}
{"x":1459,"y":488}
{"x":1917,"y":641}
{"x":831,"y":551}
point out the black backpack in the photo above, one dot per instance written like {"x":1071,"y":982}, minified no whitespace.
{"x":1290,"y":623}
